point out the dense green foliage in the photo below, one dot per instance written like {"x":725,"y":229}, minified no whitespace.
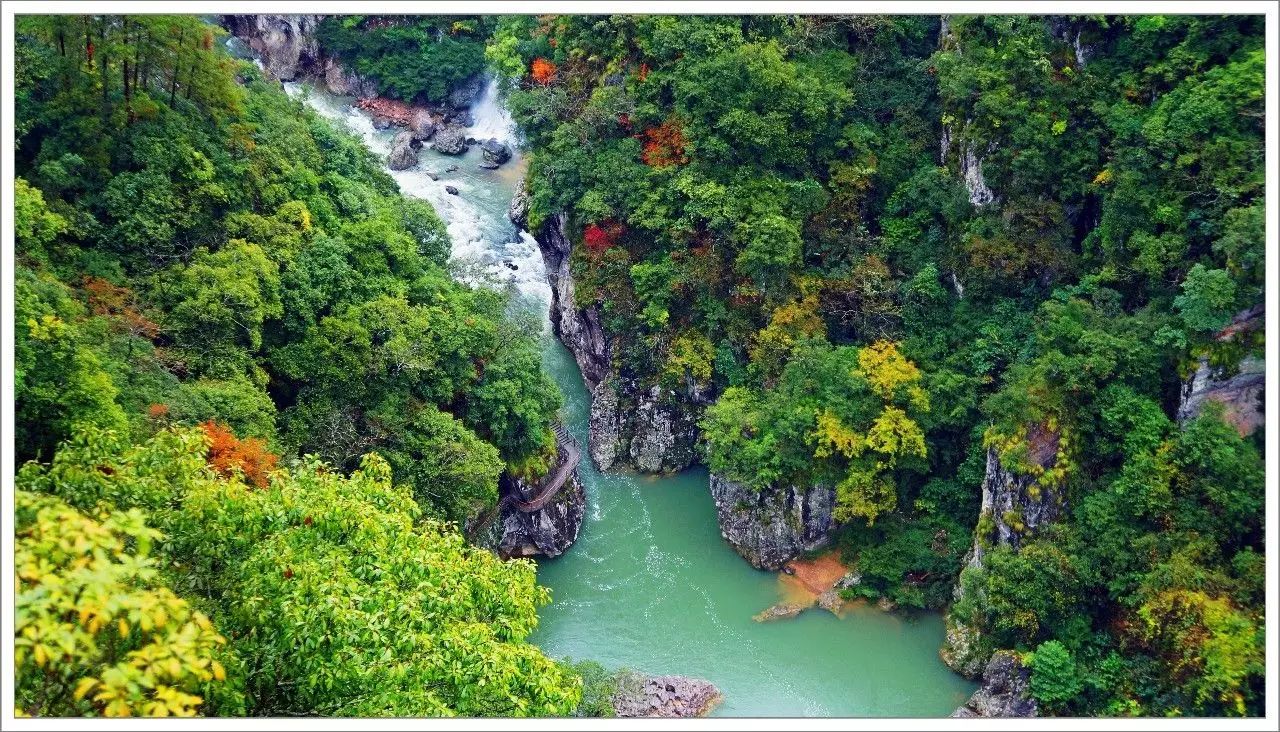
{"x":1048,"y":221}
{"x":193,"y":247}
{"x":333,"y":597}
{"x":219,"y":253}
{"x":411,"y":57}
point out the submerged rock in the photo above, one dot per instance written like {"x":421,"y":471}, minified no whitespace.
{"x":664,"y":696}
{"x":1005,"y":690}
{"x":782,"y":610}
{"x":450,"y":141}
{"x":771,"y":526}
{"x":404,"y":154}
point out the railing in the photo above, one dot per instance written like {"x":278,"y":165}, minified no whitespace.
{"x":568,"y":455}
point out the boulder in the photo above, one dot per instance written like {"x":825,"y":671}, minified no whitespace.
{"x":774,"y":525}
{"x":487,"y":166}
{"x":404,"y":153}
{"x":433,"y":175}
{"x":451,"y":190}
{"x":495,"y":151}
{"x":451,"y":169}
{"x":422,"y":124}
{"x":450,"y":141}
{"x":1005,"y":690}
{"x":664,"y":696}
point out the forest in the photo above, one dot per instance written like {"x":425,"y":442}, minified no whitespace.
{"x":254,"y":403}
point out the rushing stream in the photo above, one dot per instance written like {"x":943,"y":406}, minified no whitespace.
{"x":650,"y":585}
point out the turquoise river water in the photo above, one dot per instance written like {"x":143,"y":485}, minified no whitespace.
{"x":650,"y":585}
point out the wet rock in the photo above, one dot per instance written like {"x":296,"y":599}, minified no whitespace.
{"x":451,"y":190}
{"x":422,"y":125}
{"x":518,"y":211}
{"x":831,"y":601}
{"x":1239,"y":389}
{"x":449,"y":141}
{"x":487,"y":166}
{"x":451,"y":169}
{"x":471,"y":141}
{"x":465,"y":119}
{"x":404,"y":153}
{"x":433,"y":175}
{"x":495,"y":151}
{"x":605,"y":424}
{"x":664,"y":696}
{"x":781,"y":611}
{"x":772,"y":526}
{"x":885,"y":605}
{"x":1005,"y":690}
{"x":510,"y":265}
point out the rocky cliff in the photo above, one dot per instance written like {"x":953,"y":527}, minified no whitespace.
{"x":1004,"y":691}
{"x":1239,"y":388}
{"x":772,"y":526}
{"x":1014,"y":507}
{"x":546,"y":532}
{"x":286,"y":44}
{"x":650,"y":429}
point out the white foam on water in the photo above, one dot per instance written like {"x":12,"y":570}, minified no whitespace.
{"x":482,"y":241}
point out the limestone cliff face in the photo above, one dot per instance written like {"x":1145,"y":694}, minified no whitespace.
{"x":286,"y":43}
{"x":1005,"y":690}
{"x":652,"y":430}
{"x":1015,"y":506}
{"x":772,"y":526}
{"x":1239,"y":389}
{"x":546,"y":532}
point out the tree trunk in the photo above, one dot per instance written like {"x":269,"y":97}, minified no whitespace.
{"x":177,"y":62}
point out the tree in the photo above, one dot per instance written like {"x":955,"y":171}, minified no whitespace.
{"x":1054,"y":679}
{"x":96,"y":631}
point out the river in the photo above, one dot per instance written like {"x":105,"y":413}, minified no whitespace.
{"x":650,"y":584}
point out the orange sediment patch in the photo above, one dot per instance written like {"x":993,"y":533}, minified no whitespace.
{"x":819,"y":574}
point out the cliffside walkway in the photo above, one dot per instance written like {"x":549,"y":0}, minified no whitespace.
{"x":568,"y":453}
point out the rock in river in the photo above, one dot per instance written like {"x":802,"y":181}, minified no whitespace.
{"x":770,"y":526}
{"x":451,"y":190}
{"x":450,"y":141}
{"x":403,"y":152}
{"x":665,"y":696}
{"x":495,"y":151}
